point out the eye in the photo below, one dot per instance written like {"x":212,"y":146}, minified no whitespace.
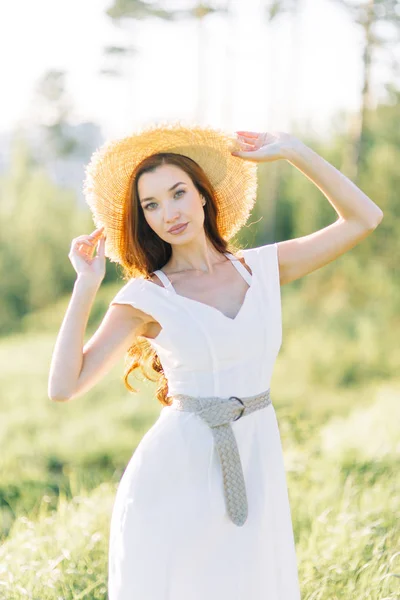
{"x":183,"y":191}
{"x":149,"y":204}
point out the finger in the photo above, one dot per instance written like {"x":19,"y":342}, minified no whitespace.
{"x":97,"y":233}
{"x":247,"y":138}
{"x":246,"y":145}
{"x":252,"y":134}
{"x":85,"y":252}
{"x":84,"y":239}
{"x":101,"y":247}
{"x":246,"y":134}
{"x":80,"y":242}
{"x":255,"y":155}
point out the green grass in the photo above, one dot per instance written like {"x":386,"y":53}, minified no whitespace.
{"x":59,"y":554}
{"x":61,"y":462}
{"x":46,"y":442}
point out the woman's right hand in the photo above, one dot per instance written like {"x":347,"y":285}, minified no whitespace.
{"x":81,"y":255}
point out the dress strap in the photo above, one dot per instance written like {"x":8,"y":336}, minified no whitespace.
{"x":240,"y":267}
{"x":235,"y":261}
{"x":166,"y":282}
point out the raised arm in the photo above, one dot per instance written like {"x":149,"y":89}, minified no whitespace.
{"x":357,"y":214}
{"x":76,"y":368}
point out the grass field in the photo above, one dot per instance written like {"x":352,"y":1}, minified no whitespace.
{"x":60,"y":465}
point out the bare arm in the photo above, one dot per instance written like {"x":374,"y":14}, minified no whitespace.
{"x":357,"y":214}
{"x":74,"y":368}
{"x":349,"y":202}
{"x":358,"y":217}
{"x":66,"y":362}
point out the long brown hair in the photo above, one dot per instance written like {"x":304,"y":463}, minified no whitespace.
{"x":146,"y":252}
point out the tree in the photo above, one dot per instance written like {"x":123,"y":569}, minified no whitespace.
{"x":376,"y":18}
{"x":52,"y":111}
{"x":271,"y":175}
{"x":136,"y":10}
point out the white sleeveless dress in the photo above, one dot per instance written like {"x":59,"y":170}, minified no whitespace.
{"x":170,"y":535}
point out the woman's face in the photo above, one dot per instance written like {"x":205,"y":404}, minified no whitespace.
{"x":169,"y":198}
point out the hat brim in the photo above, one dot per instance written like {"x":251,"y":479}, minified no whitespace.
{"x":108,"y":176}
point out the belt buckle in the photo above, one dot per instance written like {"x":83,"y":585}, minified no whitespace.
{"x":242,"y":411}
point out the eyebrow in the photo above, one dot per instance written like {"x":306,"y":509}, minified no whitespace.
{"x":170,"y":190}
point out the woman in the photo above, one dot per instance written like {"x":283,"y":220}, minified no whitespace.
{"x":202,"y":510}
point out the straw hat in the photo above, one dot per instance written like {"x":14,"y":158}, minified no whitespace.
{"x":108,"y":176}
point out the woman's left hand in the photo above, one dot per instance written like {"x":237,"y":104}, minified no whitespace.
{"x":263,"y":147}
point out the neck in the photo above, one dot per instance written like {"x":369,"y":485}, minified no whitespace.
{"x":194,"y":256}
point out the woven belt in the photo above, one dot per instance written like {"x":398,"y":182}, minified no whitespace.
{"x":218,"y":413}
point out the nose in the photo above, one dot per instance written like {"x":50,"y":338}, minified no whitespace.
{"x":170,"y":213}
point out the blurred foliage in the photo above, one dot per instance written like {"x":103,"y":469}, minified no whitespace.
{"x":38,"y":222}
{"x":353,"y":302}
{"x":340,"y":346}
{"x":61,"y":464}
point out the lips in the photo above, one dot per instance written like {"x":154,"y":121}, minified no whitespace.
{"x":177,"y":228}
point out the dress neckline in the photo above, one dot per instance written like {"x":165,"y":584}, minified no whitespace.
{"x":169,"y":289}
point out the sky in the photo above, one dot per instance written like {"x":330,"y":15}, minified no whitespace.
{"x":252,"y":79}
